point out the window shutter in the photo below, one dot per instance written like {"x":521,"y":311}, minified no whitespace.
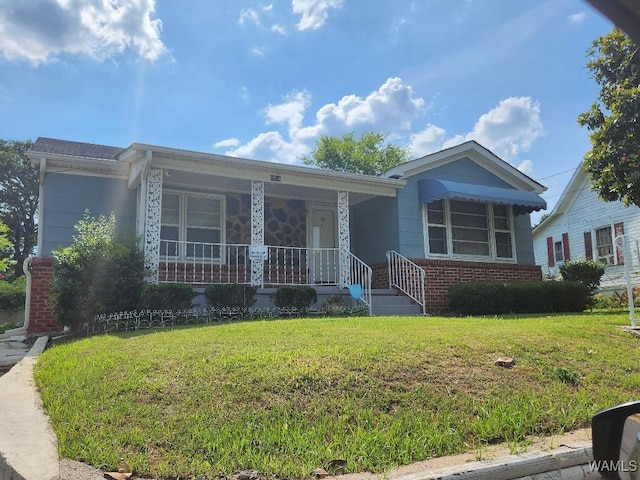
{"x":565,"y":247}
{"x":588,"y":246}
{"x":550,"y":256}
{"x":618,"y":228}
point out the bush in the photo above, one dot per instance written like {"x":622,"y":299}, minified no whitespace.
{"x":301,"y":297}
{"x":586,"y":272}
{"x":496,"y":298}
{"x":12,"y":295}
{"x":230,"y":295}
{"x":166,"y":296}
{"x":99,"y":273}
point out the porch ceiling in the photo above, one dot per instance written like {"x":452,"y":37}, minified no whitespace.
{"x":212,"y":183}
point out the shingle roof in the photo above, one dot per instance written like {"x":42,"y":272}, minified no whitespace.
{"x":64,"y":147}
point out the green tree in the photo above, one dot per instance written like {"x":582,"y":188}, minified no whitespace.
{"x":5,"y":246}
{"x":18,"y":199}
{"x":98,"y":273}
{"x":613,"y":162}
{"x":368,"y":155}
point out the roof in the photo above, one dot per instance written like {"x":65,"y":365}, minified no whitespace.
{"x":476,"y":152}
{"x":75,"y":149}
{"x":624,"y":13}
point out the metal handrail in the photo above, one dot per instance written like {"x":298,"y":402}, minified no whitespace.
{"x":361,"y":274}
{"x":408,"y":277}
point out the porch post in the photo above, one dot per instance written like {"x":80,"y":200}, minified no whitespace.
{"x":344,"y":238}
{"x":257,"y":233}
{"x":153,"y":211}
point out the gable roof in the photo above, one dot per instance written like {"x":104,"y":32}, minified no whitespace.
{"x":567,"y":198}
{"x":477,"y":153}
{"x":75,"y":149}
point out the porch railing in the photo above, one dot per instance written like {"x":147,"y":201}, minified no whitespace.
{"x":408,"y":277}
{"x":360,"y":274}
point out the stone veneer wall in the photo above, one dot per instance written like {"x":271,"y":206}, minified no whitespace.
{"x":41,"y":317}
{"x":442,"y":274}
{"x":285,"y":221}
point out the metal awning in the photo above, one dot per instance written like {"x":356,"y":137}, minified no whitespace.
{"x":430,"y":189}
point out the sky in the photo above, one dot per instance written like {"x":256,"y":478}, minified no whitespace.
{"x":265,"y":79}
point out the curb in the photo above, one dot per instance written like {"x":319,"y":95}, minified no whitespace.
{"x":28,"y":446}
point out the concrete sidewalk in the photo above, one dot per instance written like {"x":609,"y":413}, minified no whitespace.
{"x":28,"y":446}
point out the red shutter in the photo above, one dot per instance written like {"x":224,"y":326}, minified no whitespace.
{"x":550,"y":257}
{"x":618,"y":228}
{"x":588,"y":246}
{"x":565,"y":247}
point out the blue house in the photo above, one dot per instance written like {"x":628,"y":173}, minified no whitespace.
{"x":456,"y":215}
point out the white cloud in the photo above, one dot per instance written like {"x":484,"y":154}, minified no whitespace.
{"x":277,"y":28}
{"x":290,"y":112}
{"x":526,"y":167}
{"x":270,"y":146}
{"x":577,"y":17}
{"x":427,"y":141}
{"x":42,"y":29}
{"x":248,"y":15}
{"x":227,"y":143}
{"x":314,"y":13}
{"x":258,"y":51}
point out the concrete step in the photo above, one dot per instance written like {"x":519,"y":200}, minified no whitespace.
{"x":404,"y":310}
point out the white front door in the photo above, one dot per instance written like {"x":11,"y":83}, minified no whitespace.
{"x":322,"y":238}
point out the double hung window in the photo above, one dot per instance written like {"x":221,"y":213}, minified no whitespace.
{"x":604,"y":245}
{"x":558,"y":251}
{"x":191,"y":225}
{"x":459,"y":228}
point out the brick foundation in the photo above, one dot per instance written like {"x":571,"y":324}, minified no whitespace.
{"x":442,"y":274}
{"x":41,"y":318}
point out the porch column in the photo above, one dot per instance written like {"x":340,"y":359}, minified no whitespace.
{"x":344,"y":238}
{"x":153,"y":211}
{"x":257,"y":252}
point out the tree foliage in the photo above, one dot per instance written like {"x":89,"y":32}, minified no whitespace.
{"x":5,"y":247}
{"x":368,"y":155}
{"x":98,"y":273}
{"x":18,"y":199}
{"x":613,"y":162}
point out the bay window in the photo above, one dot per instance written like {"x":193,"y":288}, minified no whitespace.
{"x":465,"y":229}
{"x":191,"y":225}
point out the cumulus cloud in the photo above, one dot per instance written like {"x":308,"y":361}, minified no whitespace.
{"x":38,"y":30}
{"x":526,"y":167}
{"x":277,"y":28}
{"x":427,"y":141}
{"x":229,"y":142}
{"x":314,"y":13}
{"x":390,"y":109}
{"x":577,"y":17}
{"x":249,"y":15}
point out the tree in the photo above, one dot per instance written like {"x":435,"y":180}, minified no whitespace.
{"x":18,"y":199}
{"x":613,"y":162}
{"x":5,"y":245}
{"x":368,"y":155}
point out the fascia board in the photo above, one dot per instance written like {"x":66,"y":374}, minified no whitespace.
{"x":80,"y":165}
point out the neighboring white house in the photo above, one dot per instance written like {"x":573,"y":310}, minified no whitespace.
{"x":582,"y":226}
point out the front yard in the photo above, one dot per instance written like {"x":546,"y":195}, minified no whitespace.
{"x":286,"y":396}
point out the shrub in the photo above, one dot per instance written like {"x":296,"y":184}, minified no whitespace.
{"x":98,"y":273}
{"x":495,"y":298}
{"x":300,"y":297}
{"x":230,"y":295}
{"x":166,"y":296}
{"x":12,"y":295}
{"x":587,"y":272}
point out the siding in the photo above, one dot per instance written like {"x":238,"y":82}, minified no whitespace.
{"x":585,"y":214}
{"x":68,"y":196}
{"x":374,"y":229}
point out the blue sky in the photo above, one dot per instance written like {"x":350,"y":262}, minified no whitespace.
{"x":264,"y":79}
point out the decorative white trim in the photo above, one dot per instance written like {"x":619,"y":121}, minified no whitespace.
{"x":344,"y":238}
{"x":257,"y":230}
{"x":152,"y":225}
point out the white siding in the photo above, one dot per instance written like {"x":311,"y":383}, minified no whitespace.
{"x":587,"y":213}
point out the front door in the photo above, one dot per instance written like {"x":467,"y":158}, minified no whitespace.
{"x":322,"y":235}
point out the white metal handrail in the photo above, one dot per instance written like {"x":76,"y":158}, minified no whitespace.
{"x":624,"y":241}
{"x":361,"y":274}
{"x":408,"y":277}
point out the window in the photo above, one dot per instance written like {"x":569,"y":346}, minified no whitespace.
{"x":558,"y":251}
{"x":458,"y":228}
{"x":191,"y":225}
{"x":604,"y":245}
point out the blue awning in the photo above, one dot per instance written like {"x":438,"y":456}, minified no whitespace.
{"x":430,"y":189}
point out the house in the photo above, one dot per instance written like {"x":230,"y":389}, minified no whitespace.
{"x":582,"y":226}
{"x":457,"y":215}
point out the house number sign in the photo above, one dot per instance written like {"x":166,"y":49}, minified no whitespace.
{"x":258,"y":253}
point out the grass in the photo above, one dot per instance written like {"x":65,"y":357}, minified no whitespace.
{"x":286,"y":396}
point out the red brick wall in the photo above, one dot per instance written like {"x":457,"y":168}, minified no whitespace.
{"x":442,"y":274}
{"x":41,"y":318}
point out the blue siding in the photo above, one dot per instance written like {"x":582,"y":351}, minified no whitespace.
{"x":374,"y":229}
{"x":410,"y":227}
{"x":524,"y":240}
{"x":464,"y":170}
{"x":67,"y":197}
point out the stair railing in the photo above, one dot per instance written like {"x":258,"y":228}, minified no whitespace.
{"x":408,"y":277}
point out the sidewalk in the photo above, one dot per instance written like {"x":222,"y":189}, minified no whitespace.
{"x":28,"y":446}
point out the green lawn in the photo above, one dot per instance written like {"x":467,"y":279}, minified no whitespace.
{"x":286,"y":396}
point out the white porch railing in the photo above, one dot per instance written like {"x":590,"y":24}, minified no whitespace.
{"x":208,"y":263}
{"x":408,"y":277}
